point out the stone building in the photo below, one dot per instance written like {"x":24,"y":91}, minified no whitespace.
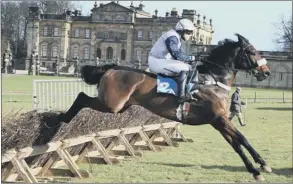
{"x":111,"y":32}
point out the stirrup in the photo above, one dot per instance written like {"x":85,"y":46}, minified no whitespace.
{"x":187,"y":97}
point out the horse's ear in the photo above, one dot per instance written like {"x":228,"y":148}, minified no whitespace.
{"x":241,"y":39}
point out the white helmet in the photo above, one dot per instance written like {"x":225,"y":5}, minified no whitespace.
{"x":184,"y":24}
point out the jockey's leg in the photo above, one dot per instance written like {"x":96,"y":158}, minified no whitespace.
{"x":181,"y":84}
{"x":172,"y":67}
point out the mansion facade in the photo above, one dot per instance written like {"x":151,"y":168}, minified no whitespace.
{"x":112,"y":32}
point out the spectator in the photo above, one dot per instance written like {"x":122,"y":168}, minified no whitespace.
{"x":235,"y":107}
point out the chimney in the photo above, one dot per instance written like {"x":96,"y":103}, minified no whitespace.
{"x":68,"y":12}
{"x":174,"y":12}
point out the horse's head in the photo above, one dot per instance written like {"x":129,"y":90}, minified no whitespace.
{"x":249,"y":59}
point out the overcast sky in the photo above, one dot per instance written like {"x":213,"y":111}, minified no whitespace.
{"x":253,"y":19}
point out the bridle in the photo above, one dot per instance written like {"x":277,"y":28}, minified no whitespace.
{"x":241,"y":56}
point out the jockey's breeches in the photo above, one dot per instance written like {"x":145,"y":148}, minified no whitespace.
{"x":168,"y":67}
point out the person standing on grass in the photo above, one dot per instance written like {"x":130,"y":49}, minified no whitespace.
{"x":235,"y":107}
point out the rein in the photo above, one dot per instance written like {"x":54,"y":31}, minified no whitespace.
{"x":222,"y":85}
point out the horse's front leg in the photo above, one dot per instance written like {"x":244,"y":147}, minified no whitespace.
{"x":83,"y":101}
{"x":229,"y":132}
{"x":257,"y":158}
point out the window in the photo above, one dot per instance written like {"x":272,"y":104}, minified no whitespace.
{"x":123,"y":54}
{"x":150,"y":35}
{"x":111,"y":35}
{"x":123,"y":36}
{"x":56,"y":31}
{"x":109,"y":53}
{"x":246,"y":75}
{"x":138,"y":55}
{"x":281,"y":76}
{"x":99,"y":53}
{"x":100,"y":35}
{"x":86,"y":53}
{"x":76,"y":33}
{"x":54,"y":51}
{"x":120,"y":18}
{"x":139,"y":35}
{"x":44,"y":50}
{"x":75,"y":52}
{"x":87,"y":33}
{"x":43,"y":64}
{"x":45,"y":33}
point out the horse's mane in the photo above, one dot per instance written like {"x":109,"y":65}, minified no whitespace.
{"x":222,"y":51}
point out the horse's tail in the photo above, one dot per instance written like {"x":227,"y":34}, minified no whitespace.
{"x":92,"y":74}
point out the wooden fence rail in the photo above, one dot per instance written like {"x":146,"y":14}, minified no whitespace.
{"x":17,"y":168}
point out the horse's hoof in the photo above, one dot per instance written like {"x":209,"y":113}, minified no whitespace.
{"x":259,"y":178}
{"x":266,"y":168}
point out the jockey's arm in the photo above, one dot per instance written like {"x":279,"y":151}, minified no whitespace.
{"x":172,"y":46}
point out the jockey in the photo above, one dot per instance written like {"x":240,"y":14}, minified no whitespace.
{"x":166,"y":56}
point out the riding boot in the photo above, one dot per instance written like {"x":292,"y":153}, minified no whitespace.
{"x":182,"y":97}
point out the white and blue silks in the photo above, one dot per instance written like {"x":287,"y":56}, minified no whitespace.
{"x":166,"y":56}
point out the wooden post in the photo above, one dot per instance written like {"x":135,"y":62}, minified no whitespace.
{"x":7,"y":171}
{"x":102,"y":150}
{"x":128,"y":147}
{"x":145,"y":138}
{"x":49,"y":164}
{"x":113,"y":143}
{"x":254,"y":97}
{"x":180,"y":133}
{"x":69,"y":162}
{"x":23,"y":171}
{"x":134,"y":139}
{"x":85,"y":151}
{"x":165,"y":136}
{"x":283,"y":97}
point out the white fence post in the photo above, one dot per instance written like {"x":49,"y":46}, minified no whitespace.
{"x":59,"y":94}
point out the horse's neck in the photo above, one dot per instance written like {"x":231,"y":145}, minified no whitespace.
{"x":216,"y":74}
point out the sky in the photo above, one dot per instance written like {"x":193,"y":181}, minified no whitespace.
{"x":255,"y":20}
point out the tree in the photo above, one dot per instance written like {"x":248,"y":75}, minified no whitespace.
{"x":284,"y":35}
{"x":14,"y":21}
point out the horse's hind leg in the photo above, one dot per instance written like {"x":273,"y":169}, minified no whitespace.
{"x":229,"y":132}
{"x":257,"y":158}
{"x":83,"y":101}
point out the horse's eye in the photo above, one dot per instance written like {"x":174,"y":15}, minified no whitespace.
{"x":252,"y":52}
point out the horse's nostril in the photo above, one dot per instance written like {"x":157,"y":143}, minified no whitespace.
{"x":267,"y":73}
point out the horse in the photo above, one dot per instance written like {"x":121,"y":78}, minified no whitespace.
{"x":120,"y":87}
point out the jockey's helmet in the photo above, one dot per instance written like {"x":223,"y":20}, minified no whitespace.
{"x":185,"y":28}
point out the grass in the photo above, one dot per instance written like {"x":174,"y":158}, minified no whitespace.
{"x":210,"y":158}
{"x":22,"y":83}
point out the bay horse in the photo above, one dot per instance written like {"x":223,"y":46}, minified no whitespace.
{"x":119,"y":87}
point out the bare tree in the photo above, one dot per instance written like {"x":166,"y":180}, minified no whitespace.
{"x":14,"y":21}
{"x":284,"y":34}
